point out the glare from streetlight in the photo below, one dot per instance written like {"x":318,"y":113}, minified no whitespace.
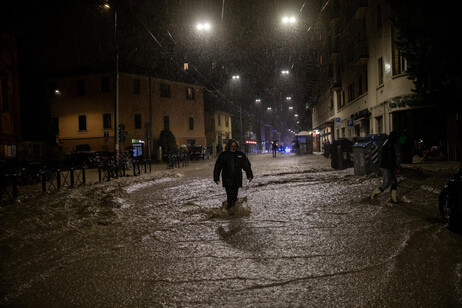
{"x":291,"y":108}
{"x":236,"y":77}
{"x":257,"y":100}
{"x":288,"y":98}
{"x":285,"y":72}
{"x":203,"y":26}
{"x":269,"y":108}
{"x":288,"y":20}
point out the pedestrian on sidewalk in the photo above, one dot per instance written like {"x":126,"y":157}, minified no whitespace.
{"x":389,"y":166}
{"x":230,"y":164}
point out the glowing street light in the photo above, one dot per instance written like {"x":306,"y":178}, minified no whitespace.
{"x":285,"y":72}
{"x":288,"y":20}
{"x":288,"y":98}
{"x":203,"y":26}
{"x":236,"y":77}
{"x":257,"y":100}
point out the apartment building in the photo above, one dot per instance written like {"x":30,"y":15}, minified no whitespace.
{"x":11,"y":144}
{"x":362,"y":86}
{"x":218,"y":130}
{"x":83,"y":107}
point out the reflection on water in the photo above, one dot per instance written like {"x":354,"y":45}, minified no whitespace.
{"x":301,"y":234}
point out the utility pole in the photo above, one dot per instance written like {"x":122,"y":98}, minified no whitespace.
{"x":116,"y":94}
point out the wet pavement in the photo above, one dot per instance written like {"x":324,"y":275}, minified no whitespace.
{"x":304,"y":235}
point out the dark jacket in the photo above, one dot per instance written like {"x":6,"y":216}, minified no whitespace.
{"x":231,"y":165}
{"x":388,"y":156}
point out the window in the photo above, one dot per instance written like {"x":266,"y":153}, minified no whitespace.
{"x":105,"y":88}
{"x":82,"y":122}
{"x":80,"y":87}
{"x":400,"y":64}
{"x":164,"y":90}
{"x":191,"y":123}
{"x":360,"y":85}
{"x":226,"y":121}
{"x":186,"y":66}
{"x":137,"y":121}
{"x":190,"y":93}
{"x":107,"y":121}
{"x":380,"y":70}
{"x":136,"y":86}
{"x":219,"y":120}
{"x":166,"y":123}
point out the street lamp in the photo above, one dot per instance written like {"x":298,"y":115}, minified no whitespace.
{"x":203,"y":26}
{"x":116,"y":87}
{"x":236,"y":78}
{"x":289,"y":20}
{"x":285,"y":72}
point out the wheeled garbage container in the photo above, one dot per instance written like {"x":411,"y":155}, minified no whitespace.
{"x":340,"y":151}
{"x":366,"y":154}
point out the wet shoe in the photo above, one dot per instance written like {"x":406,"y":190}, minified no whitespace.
{"x":375,"y":193}
{"x":394,"y":198}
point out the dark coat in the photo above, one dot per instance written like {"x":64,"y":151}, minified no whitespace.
{"x":231,"y":165}
{"x":388,"y":156}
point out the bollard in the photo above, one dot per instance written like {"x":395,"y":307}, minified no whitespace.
{"x":72,"y":176}
{"x":44,"y":182}
{"x":15,"y":186}
{"x":58,"y":179}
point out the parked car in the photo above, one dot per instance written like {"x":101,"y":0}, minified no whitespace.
{"x":450,"y":202}
{"x":197,"y":152}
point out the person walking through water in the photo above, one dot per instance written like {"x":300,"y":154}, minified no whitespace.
{"x":230,"y":164}
{"x":389,"y":166}
{"x":274,"y":148}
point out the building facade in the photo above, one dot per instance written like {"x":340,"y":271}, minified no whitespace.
{"x":11,"y":146}
{"x":218,"y":130}
{"x":83,"y":107}
{"x":362,"y":86}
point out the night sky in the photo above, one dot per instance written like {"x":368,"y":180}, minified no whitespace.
{"x":159,"y":36}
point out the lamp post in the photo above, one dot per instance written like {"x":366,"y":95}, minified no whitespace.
{"x":236,"y":78}
{"x":106,"y":6}
{"x":116,"y":94}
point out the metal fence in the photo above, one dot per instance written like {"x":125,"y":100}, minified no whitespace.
{"x":48,"y":178}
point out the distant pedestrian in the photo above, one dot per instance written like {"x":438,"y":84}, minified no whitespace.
{"x":230,"y":164}
{"x":274,"y":148}
{"x":389,"y":166}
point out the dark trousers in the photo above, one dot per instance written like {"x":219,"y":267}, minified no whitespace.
{"x":231,"y":195}
{"x":389,"y":179}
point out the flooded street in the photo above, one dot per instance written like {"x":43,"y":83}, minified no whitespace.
{"x":306,"y":235}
